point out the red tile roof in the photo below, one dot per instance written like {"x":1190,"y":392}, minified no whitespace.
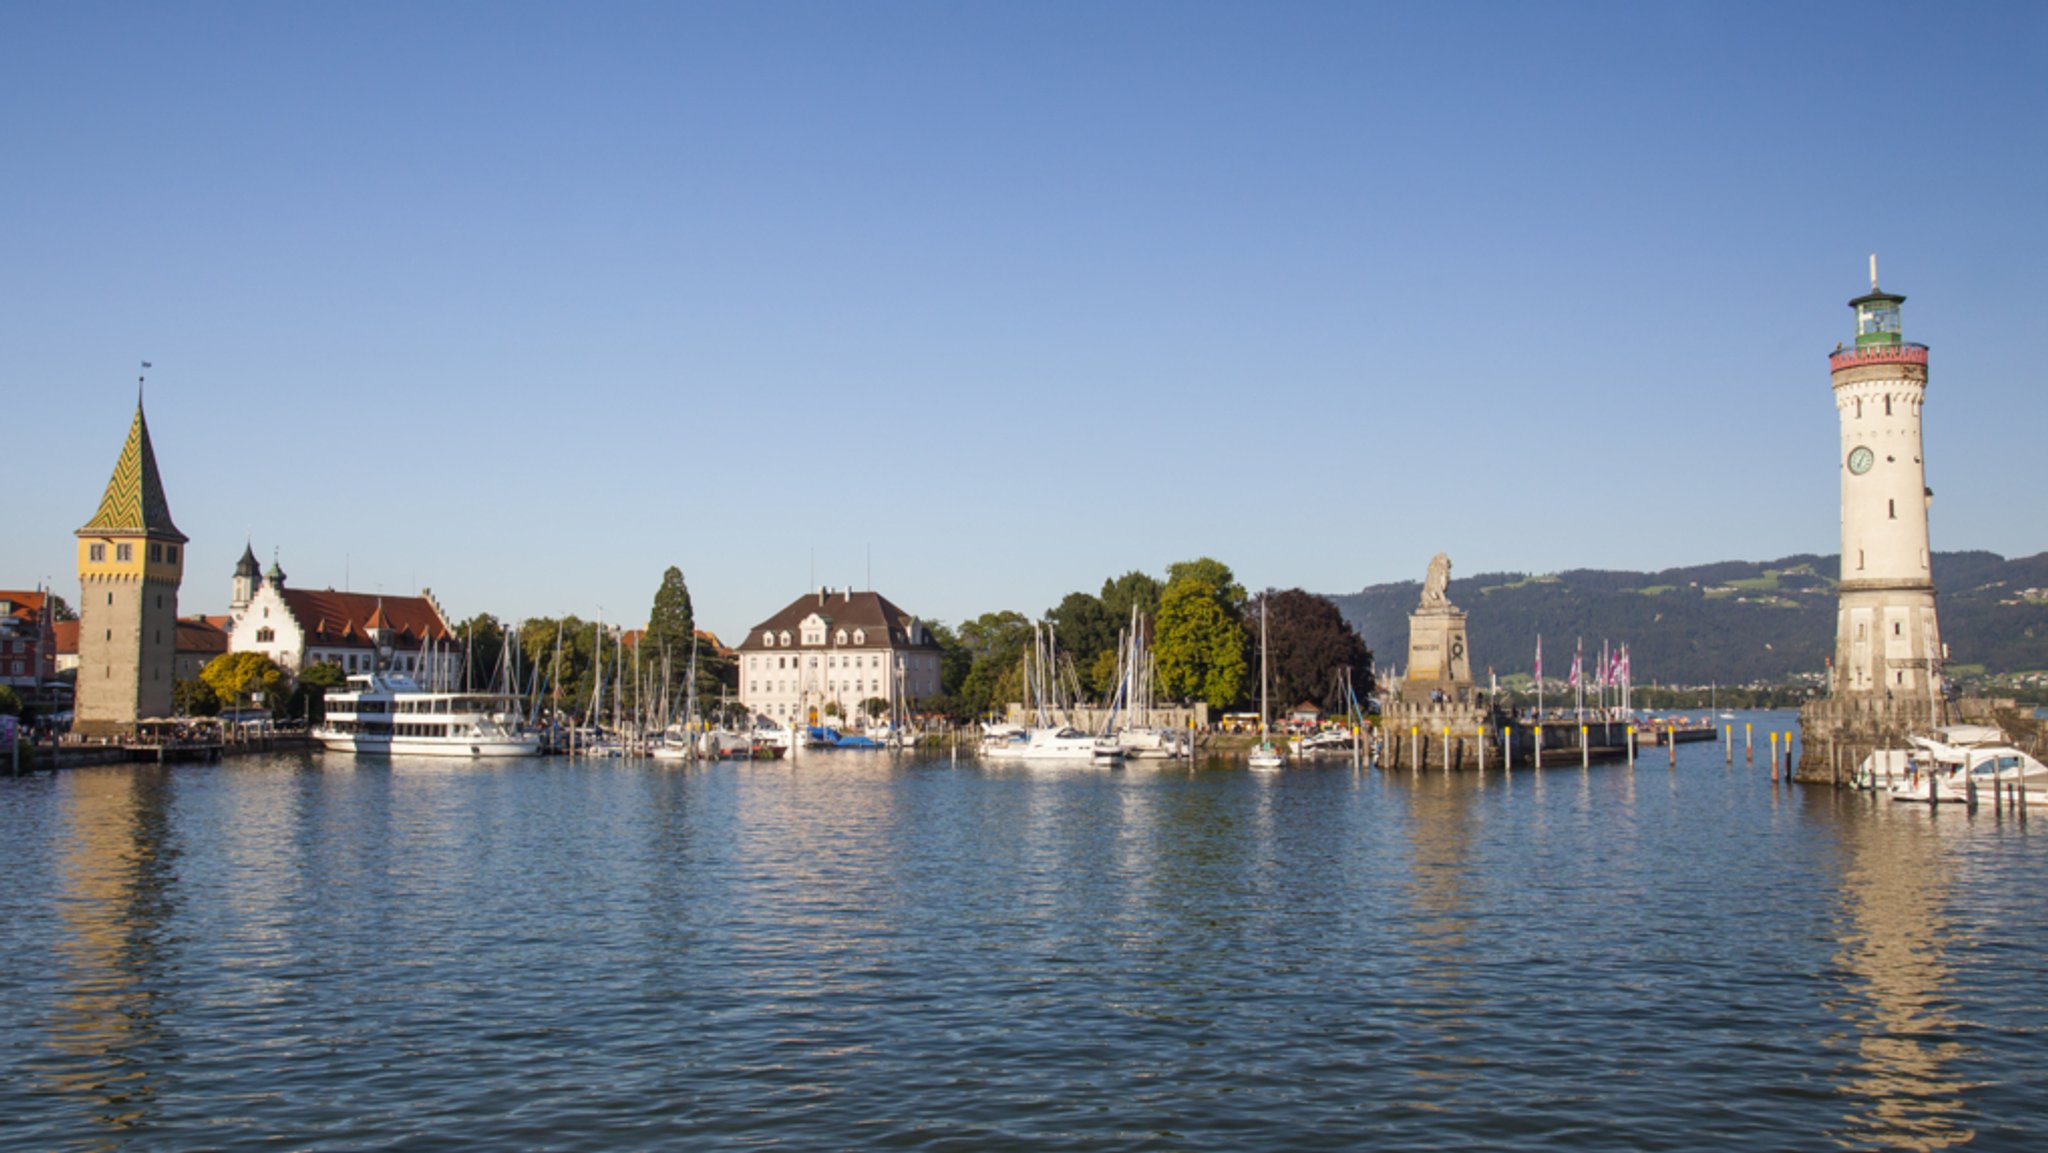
{"x":345,"y":619}
{"x":195,"y":635}
{"x":67,"y":638}
{"x":27,"y":604}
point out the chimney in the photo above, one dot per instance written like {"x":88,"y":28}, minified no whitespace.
{"x":849,"y":594}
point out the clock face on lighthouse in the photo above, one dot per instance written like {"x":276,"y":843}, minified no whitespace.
{"x":1860,"y":460}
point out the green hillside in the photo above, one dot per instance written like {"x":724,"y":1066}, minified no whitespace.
{"x":1734,"y":622}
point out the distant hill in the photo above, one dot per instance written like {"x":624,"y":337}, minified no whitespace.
{"x":1734,"y":622}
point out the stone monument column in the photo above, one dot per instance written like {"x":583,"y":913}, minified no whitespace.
{"x":1436,"y":720}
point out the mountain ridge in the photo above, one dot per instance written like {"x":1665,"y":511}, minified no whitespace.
{"x":1727,"y":622}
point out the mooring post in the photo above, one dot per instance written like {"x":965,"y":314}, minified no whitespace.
{"x":1507,"y":748}
{"x":1585,"y":753}
{"x":1479,"y":735}
{"x":1630,"y":737}
{"x":1748,"y":745}
{"x":1414,"y":748}
{"x":1539,"y":745}
{"x":1728,"y":739}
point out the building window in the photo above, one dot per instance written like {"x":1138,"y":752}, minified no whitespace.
{"x":842,"y":636}
{"x":860,"y":636}
{"x":785,"y":638}
{"x":97,"y":553}
{"x":1893,"y":506}
{"x":171,"y":553}
{"x":156,"y":553}
{"x":767,"y":640}
{"x":124,"y":552}
{"x":110,"y":598}
{"x":265,"y":635}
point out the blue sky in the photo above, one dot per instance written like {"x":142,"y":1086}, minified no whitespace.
{"x":528,"y":302}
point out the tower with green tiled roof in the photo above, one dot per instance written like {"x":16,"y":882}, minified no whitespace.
{"x":131,"y":559}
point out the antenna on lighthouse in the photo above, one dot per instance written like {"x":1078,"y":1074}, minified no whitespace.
{"x":1873,"y":272}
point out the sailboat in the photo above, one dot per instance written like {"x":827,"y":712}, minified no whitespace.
{"x":1267,"y":756}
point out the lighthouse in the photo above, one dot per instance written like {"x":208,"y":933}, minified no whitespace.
{"x":1886,"y":676}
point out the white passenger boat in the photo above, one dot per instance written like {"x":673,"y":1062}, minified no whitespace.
{"x":387,"y":713}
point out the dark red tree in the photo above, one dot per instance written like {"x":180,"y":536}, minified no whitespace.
{"x":1311,"y":644}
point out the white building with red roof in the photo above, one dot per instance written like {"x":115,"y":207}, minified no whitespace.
{"x":28,"y":643}
{"x":357,"y":632}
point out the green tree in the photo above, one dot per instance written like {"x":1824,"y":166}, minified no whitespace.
{"x":194,"y":699}
{"x":1133,"y":590}
{"x":1084,"y":631}
{"x":483,"y":638}
{"x":60,"y":609}
{"x":996,"y":641}
{"x":309,"y":699}
{"x":954,"y":660}
{"x":1199,"y":644}
{"x":238,"y":679}
{"x":672,"y":622}
{"x":1216,"y":575}
{"x":10,"y":701}
{"x":874,"y":707}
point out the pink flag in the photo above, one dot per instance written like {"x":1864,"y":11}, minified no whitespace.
{"x":1539,"y":656}
{"x":1577,"y":657}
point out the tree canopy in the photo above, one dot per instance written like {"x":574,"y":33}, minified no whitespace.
{"x":1199,"y":644}
{"x":237,"y":678}
{"x":1309,"y":643}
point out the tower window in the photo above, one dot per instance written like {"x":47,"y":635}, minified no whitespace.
{"x":97,"y":553}
{"x":124,"y":552}
{"x":171,"y":553}
{"x":1887,"y":405}
{"x":1895,"y":628}
{"x":1859,"y":408}
{"x":156,"y":553}
{"x":1893,"y":507}
{"x":1859,"y":560}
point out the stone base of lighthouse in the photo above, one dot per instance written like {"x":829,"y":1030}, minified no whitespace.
{"x":1836,"y":733}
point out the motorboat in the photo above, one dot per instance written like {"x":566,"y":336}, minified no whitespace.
{"x":387,"y":713}
{"x":1883,"y":768}
{"x":1328,"y":742}
{"x":1981,"y":773}
{"x":1045,"y":743}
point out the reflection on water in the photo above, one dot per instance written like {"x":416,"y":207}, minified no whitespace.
{"x":872,"y":951}
{"x":1439,"y":922}
{"x":1897,"y":946}
{"x":117,"y":865}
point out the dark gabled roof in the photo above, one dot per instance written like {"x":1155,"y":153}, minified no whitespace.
{"x":884,"y":624}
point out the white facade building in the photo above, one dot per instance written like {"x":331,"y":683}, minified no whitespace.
{"x":835,"y":647}
{"x":357,"y":632}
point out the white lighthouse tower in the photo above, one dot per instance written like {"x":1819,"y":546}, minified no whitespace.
{"x":1886,"y":677}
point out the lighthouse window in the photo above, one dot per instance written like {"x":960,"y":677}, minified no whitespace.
{"x":1859,"y":560}
{"x":97,"y":553}
{"x":1887,"y":405}
{"x":124,"y":552}
{"x":1859,"y":408}
{"x":156,"y":553}
{"x":1893,"y":505}
{"x":1895,"y":628}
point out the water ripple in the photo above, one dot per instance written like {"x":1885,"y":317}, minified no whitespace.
{"x":864,"y":953}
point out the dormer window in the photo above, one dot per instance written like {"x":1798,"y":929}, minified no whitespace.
{"x":842,"y":636}
{"x":785,"y":637}
{"x":860,"y":636}
{"x":767,"y":640}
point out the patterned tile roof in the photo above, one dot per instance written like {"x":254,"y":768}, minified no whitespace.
{"x":134,"y":501}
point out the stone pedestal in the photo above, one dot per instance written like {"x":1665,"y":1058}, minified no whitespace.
{"x":1441,"y":736}
{"x":1439,"y":660}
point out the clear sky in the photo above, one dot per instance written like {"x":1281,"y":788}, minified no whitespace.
{"x":527,"y":302}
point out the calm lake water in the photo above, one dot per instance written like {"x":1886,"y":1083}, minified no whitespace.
{"x":855,"y":952}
